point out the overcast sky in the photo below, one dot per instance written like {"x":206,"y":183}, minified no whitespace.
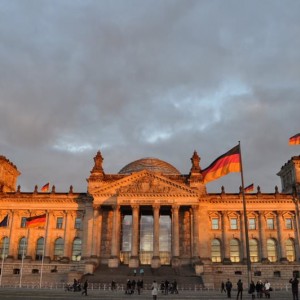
{"x":140,"y":78}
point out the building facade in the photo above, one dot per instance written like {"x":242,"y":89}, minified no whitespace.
{"x":151,"y":214}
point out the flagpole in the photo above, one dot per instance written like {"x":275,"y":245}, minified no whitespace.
{"x":245,"y":221}
{"x":46,"y":235}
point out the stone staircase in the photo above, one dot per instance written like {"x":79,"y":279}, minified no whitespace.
{"x":185,"y":276}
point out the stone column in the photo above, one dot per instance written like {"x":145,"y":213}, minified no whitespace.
{"x":296,"y":224}
{"x":155,"y":262}
{"x":195,"y":239}
{"x":87,"y":229}
{"x":10,"y":254}
{"x":204,"y":237}
{"x":49,"y":241}
{"x":68,"y":247}
{"x":175,"y":236}
{"x":95,"y":232}
{"x":99,"y":232}
{"x":296,"y":233}
{"x":243,"y":249}
{"x":225,"y":244}
{"x":114,"y":259}
{"x":134,"y":258}
{"x":262,"y":237}
{"x":281,"y":245}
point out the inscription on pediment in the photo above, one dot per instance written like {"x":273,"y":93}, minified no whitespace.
{"x":146,"y":185}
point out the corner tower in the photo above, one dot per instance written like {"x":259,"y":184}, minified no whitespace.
{"x":8,"y":175}
{"x":290,"y":175}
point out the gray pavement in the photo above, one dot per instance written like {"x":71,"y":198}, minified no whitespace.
{"x":24,"y":294}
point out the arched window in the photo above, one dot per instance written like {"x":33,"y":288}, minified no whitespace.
{"x":76,"y":249}
{"x":234,"y":250}
{"x":22,"y":248}
{"x":272,"y":250}
{"x":215,"y":250}
{"x":290,"y":250}
{"x":4,"y":246}
{"x":39,"y":249}
{"x":253,"y":247}
{"x":58,"y":249}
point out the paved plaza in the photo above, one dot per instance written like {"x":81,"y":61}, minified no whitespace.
{"x":23,"y":294}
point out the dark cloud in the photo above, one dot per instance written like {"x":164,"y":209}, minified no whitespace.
{"x":137,"y":79}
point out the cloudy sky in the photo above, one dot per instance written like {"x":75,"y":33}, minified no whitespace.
{"x":141,"y":78}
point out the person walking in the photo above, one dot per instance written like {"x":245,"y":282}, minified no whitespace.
{"x":239,"y":289}
{"x":223,"y":287}
{"x":294,"y":282}
{"x":154,"y":289}
{"x":85,"y":287}
{"x":228,"y":288}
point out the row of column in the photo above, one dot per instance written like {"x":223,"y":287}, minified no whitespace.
{"x":134,"y":256}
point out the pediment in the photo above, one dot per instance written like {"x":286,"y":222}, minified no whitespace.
{"x":145,"y":183}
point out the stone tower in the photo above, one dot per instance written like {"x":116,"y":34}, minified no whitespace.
{"x":290,"y":175}
{"x":8,"y":175}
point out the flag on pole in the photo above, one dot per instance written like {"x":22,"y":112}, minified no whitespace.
{"x":45,"y":188}
{"x":36,"y":221}
{"x":4,"y":222}
{"x":249,"y":188}
{"x":295,"y":140}
{"x":224,"y":164}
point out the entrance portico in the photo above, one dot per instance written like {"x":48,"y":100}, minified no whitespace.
{"x":150,"y":235}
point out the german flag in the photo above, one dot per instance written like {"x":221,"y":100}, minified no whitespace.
{"x":249,"y":188}
{"x":224,"y":164}
{"x":295,"y":140}
{"x":45,"y":188}
{"x":36,"y":221}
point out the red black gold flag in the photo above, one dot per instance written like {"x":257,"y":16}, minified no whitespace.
{"x":249,"y":188}
{"x":224,"y":164}
{"x":295,"y":140}
{"x":45,"y":188}
{"x":36,"y":221}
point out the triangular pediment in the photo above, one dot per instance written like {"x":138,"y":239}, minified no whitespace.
{"x":144,"y":183}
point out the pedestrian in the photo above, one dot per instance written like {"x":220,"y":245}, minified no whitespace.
{"x":139,"y":286}
{"x":113,"y":285}
{"x":166,"y":287}
{"x":223,"y":287}
{"x":239,"y":289}
{"x":154,"y":289}
{"x":228,"y":288}
{"x":294,"y":282}
{"x":85,"y":287}
{"x":267,"y":287}
{"x":258,"y":288}
{"x":174,"y":287}
{"x":75,"y":285}
{"x":252,"y":289}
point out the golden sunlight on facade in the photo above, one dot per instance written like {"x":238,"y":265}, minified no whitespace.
{"x":149,"y":215}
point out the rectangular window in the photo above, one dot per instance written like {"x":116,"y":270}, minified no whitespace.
{"x":78,"y":223}
{"x":234,"y":224}
{"x":214,"y":223}
{"x":270,"y":224}
{"x":23,"y":222}
{"x":59,"y":222}
{"x":252,"y":224}
{"x":288,"y":223}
